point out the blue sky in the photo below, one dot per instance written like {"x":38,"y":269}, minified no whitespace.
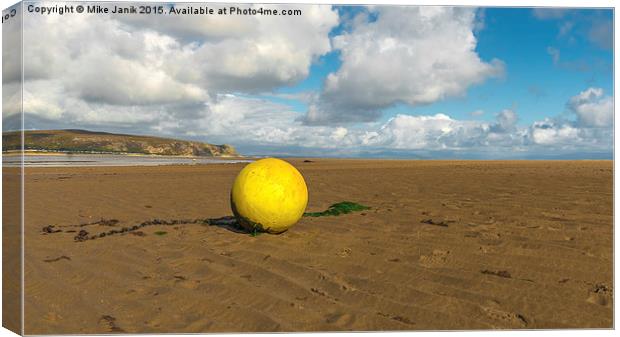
{"x":384,"y":81}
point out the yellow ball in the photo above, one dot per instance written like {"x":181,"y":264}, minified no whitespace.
{"x":269,"y":195}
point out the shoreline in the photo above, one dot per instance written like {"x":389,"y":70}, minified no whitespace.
{"x":37,"y":159}
{"x":13,"y":153}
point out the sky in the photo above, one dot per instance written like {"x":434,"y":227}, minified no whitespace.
{"x":342,"y":81}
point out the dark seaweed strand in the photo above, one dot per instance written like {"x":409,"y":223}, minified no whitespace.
{"x":344,"y":207}
{"x":49,"y":229}
{"x":83,"y":235}
{"x":102,"y":221}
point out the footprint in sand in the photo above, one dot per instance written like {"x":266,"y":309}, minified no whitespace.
{"x":110,"y":322}
{"x":398,"y":318}
{"x":436,"y":259}
{"x":339,"y":319}
{"x":505,"y":319}
{"x":488,"y":238}
{"x":471,"y":234}
{"x":346,"y":252}
{"x":600,"y":294}
{"x":344,"y":285}
{"x":490,"y":235}
{"x":450,"y":205}
{"x":485,"y":249}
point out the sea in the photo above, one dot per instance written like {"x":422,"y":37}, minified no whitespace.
{"x":77,"y":160}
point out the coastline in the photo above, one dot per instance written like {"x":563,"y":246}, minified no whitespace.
{"x":56,"y":159}
{"x":127,"y":154}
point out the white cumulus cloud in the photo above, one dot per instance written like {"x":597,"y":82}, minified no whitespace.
{"x":168,"y":65}
{"x":547,"y":132}
{"x":415,"y":55}
{"x":593,"y":108}
{"x":591,"y":130}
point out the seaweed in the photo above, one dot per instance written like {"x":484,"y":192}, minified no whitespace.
{"x":256,"y":232}
{"x":229,"y":222}
{"x":344,"y":207}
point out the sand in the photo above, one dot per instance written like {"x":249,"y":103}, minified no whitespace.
{"x":446,"y":245}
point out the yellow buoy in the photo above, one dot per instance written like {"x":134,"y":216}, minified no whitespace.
{"x":269,"y":195}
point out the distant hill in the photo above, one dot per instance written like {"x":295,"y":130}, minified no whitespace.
{"x":82,"y":141}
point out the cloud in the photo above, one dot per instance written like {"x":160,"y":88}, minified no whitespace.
{"x":134,"y":62}
{"x":555,"y":54}
{"x":426,"y":133}
{"x":565,"y":28}
{"x":601,"y":34}
{"x":536,"y":91}
{"x":547,"y":132}
{"x":246,"y":53}
{"x":11,"y":98}
{"x":479,"y":23}
{"x":12,"y":51}
{"x":549,"y":13}
{"x":442,"y":133}
{"x":477,"y":113}
{"x":578,"y":65}
{"x":593,"y":128}
{"x":593,"y":108}
{"x":506,"y":121}
{"x":95,"y":59}
{"x":554,"y":135}
{"x":598,"y":28}
{"x":261,"y":124}
{"x":413,"y":55}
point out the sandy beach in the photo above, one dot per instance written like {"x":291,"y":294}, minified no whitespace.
{"x":445,"y":245}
